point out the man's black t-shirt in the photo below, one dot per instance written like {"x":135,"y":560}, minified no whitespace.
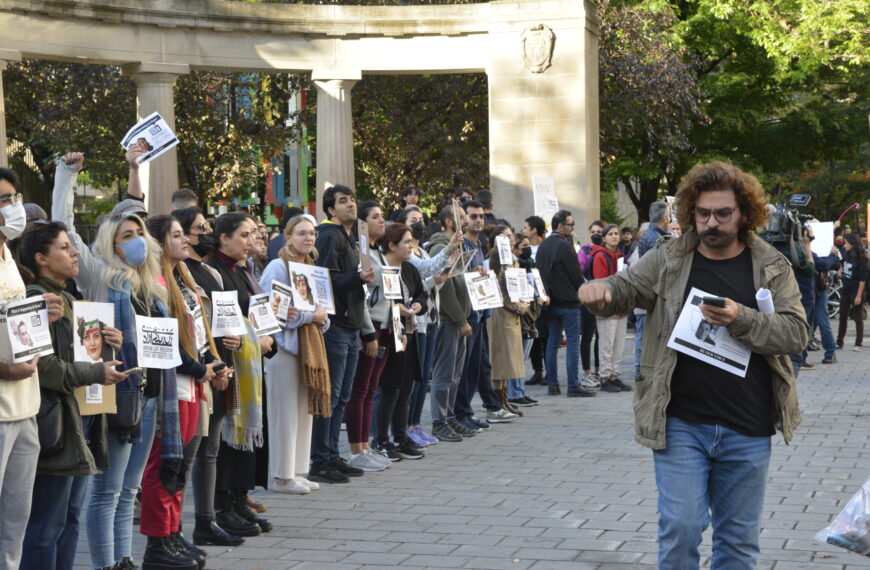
{"x":704,"y":394}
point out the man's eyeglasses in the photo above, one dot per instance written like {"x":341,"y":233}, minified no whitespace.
{"x":476,"y":216}
{"x":10,"y":198}
{"x":722,"y":215}
{"x":571,"y":225}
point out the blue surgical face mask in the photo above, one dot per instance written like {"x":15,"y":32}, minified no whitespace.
{"x":135,"y":251}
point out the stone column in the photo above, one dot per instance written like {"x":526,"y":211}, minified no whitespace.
{"x":334,"y":158}
{"x":154,"y":92}
{"x":5,"y":57}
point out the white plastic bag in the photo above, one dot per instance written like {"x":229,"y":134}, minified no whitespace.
{"x":851,"y":528}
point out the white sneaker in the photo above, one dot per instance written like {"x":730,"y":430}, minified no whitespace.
{"x":289,"y":486}
{"x":310,"y":484}
{"x":589,"y":381}
{"x":856,"y":349}
{"x":377,"y":457}
{"x":364,"y":462}
{"x":501,"y":417}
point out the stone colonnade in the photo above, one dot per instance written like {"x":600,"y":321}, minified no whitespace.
{"x":540,"y":58}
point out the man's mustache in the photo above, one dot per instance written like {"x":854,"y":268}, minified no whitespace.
{"x":712,"y":232}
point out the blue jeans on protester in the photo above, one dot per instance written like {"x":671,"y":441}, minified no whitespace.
{"x":820,"y":316}
{"x":342,"y":354}
{"x":53,"y":529}
{"x":710,"y":473}
{"x":110,"y":509}
{"x":516,"y":386}
{"x":426,"y":346}
{"x":559,"y":319}
{"x":639,"y":325}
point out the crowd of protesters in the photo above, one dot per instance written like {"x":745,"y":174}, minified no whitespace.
{"x":249,"y":410}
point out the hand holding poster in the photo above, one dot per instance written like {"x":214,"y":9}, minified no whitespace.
{"x":518,"y":285}
{"x":226,"y":316}
{"x":362,"y":230}
{"x":152,"y":136}
{"x":89,"y":322}
{"x":280,"y":299}
{"x":483,"y":291}
{"x":27,"y":326}
{"x":695,"y":336}
{"x":157,"y":342}
{"x":503,"y":243}
{"x":392,"y":282}
{"x":261,"y":315}
{"x":311,"y":287}
{"x":539,"y":284}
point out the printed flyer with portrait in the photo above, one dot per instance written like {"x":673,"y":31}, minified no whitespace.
{"x":483,"y":291}
{"x":226,"y":315}
{"x":695,"y":336}
{"x":89,"y":322}
{"x":281,"y":299}
{"x":261,"y":315}
{"x":27,"y":325}
{"x":362,"y":230}
{"x":539,"y":284}
{"x":392,"y":282}
{"x":503,"y":243}
{"x":157,"y":342}
{"x":152,"y":136}
{"x":518,"y":286}
{"x":311,"y":287}
{"x":398,"y":327}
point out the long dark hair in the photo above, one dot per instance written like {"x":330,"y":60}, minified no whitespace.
{"x":857,"y":252}
{"x":36,"y":239}
{"x":227,"y":224}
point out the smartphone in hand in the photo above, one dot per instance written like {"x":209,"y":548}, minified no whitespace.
{"x":714,"y":301}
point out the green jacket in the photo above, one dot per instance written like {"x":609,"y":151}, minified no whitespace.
{"x":60,"y":373}
{"x":657,"y":283}
{"x":455,"y":304}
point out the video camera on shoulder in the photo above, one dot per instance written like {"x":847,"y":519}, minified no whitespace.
{"x":787,"y":222}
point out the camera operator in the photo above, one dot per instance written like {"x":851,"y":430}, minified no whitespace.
{"x":793,"y":241}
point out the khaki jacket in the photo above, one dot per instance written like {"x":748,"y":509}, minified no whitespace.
{"x":657,"y":283}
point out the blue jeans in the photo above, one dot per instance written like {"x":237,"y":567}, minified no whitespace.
{"x":820,"y":316}
{"x":516,"y":386}
{"x":109,"y":519}
{"x":426,"y":345}
{"x":559,"y":319}
{"x":342,"y":354}
{"x":709,"y":472}
{"x":639,"y":324}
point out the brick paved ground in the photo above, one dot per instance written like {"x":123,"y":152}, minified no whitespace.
{"x":564,"y":487}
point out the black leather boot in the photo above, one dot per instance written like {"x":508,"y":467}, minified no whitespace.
{"x":236,"y":525}
{"x":194,"y":553}
{"x":240,"y":507}
{"x":207,"y":532}
{"x":162,"y":554}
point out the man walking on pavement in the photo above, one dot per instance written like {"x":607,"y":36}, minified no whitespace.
{"x":710,"y":429}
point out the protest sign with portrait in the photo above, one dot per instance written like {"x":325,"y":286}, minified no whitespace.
{"x":27,"y":325}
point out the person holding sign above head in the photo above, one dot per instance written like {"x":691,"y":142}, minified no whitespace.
{"x":161,"y":502}
{"x":297,"y":378}
{"x":204,"y":471}
{"x":402,"y":366}
{"x":605,"y":260}
{"x":434,"y":271}
{"x":243,"y":399}
{"x":338,"y":253}
{"x":358,"y":413}
{"x":47,"y":259}
{"x":504,"y":327}
{"x":710,"y":428}
{"x":123,"y":269}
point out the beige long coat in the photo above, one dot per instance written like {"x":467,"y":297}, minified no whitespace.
{"x":505,"y":331}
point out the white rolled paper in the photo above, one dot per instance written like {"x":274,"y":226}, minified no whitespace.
{"x":765,"y":301}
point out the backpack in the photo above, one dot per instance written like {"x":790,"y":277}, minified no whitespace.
{"x":587,"y":273}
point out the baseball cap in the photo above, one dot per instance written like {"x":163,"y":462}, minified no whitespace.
{"x":34,"y":212}
{"x":129,"y":206}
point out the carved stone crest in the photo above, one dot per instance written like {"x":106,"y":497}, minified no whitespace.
{"x":537,"y":43}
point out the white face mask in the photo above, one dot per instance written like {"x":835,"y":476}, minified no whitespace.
{"x":15,"y":218}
